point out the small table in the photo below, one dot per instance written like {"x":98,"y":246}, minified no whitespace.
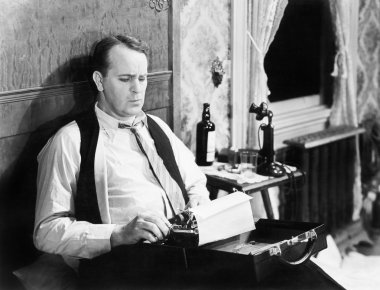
{"x":215,"y":183}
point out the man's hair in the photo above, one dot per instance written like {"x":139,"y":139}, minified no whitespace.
{"x":100,"y":55}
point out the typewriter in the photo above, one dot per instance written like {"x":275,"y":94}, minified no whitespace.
{"x":184,"y":231}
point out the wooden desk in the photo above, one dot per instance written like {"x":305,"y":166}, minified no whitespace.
{"x":215,"y":183}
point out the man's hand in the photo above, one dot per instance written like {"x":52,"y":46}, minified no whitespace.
{"x":147,"y":226}
{"x":196,"y":200}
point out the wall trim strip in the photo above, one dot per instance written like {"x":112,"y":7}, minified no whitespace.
{"x":63,"y":89}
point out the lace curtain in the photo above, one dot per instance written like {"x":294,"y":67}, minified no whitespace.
{"x":264,"y":18}
{"x":344,"y":108}
{"x":343,"y":111}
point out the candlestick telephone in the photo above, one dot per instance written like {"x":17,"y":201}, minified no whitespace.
{"x":265,"y":161}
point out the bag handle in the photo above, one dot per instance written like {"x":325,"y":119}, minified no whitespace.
{"x":310,"y":237}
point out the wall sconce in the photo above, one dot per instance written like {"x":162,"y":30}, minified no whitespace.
{"x":217,"y":72}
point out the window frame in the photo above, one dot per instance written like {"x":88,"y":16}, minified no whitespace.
{"x":292,"y":118}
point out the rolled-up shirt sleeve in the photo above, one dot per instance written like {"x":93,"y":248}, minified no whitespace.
{"x":192,"y":176}
{"x":56,"y":229}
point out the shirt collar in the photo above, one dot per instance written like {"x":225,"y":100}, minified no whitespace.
{"x":108,"y":122}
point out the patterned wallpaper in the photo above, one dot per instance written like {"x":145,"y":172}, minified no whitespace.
{"x":205,"y":35}
{"x":368,"y":85}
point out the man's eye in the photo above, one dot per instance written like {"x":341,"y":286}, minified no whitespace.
{"x":141,"y":79}
{"x":125,"y":79}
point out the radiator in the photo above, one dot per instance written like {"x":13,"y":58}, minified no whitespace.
{"x":326,"y":193}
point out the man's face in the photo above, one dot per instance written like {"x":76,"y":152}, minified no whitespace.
{"x":125,"y":84}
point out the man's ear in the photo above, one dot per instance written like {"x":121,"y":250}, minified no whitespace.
{"x":98,"y":79}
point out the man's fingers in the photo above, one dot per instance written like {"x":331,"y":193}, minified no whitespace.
{"x":148,"y":236}
{"x":166,"y":222}
{"x":161,"y":222}
{"x":153,"y":229}
{"x":197,"y":201}
{"x":147,"y":226}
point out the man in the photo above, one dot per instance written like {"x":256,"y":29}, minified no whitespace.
{"x":97,"y":185}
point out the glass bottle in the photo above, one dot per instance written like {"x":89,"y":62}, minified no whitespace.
{"x":205,"y":146}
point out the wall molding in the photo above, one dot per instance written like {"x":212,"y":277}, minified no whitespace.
{"x":66,"y":89}
{"x":159,"y":76}
{"x":23,"y":111}
{"x":39,"y":92}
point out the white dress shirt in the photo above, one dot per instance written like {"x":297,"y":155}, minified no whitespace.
{"x":124,"y":186}
{"x":132,"y":186}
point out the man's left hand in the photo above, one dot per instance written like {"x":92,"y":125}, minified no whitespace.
{"x":197,"y":200}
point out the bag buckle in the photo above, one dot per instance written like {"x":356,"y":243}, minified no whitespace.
{"x":275,"y":251}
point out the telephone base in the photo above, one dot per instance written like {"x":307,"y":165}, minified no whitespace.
{"x":271,"y":169}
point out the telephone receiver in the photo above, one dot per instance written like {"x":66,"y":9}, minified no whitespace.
{"x":265,"y":162}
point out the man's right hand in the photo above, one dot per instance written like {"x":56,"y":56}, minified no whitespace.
{"x":147,"y":226}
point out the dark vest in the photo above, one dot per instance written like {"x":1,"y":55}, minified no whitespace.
{"x":86,"y":203}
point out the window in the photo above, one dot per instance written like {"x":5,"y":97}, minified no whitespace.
{"x":298,"y":65}
{"x":292,"y":62}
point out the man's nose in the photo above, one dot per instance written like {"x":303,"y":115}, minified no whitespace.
{"x":136,"y":86}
